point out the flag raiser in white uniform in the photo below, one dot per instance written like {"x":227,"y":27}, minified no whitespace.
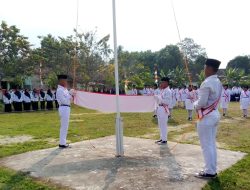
{"x":209,"y":94}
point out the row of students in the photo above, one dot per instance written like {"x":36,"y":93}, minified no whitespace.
{"x":27,"y":101}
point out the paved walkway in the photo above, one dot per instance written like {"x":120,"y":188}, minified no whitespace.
{"x":91,"y":165}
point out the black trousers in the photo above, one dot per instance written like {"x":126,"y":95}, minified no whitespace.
{"x":26,"y":106}
{"x":49,"y":105}
{"x":35,"y":106}
{"x":7,"y":108}
{"x":42,"y":105}
{"x":18,"y":106}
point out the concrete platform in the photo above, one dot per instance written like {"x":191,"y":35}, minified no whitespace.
{"x":92,"y":165}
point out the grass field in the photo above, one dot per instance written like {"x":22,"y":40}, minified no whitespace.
{"x":42,"y":128}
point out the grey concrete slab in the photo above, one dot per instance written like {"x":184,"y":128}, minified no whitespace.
{"x":92,"y":165}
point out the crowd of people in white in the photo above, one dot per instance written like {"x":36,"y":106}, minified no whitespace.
{"x":185,"y":97}
{"x":25,"y":100}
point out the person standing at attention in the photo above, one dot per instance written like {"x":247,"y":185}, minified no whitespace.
{"x":64,"y":98}
{"x":164,"y":99}
{"x":244,"y":101}
{"x":209,"y":117}
{"x":225,"y":99}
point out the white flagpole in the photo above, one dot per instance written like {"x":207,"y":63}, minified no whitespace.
{"x":119,"y":128}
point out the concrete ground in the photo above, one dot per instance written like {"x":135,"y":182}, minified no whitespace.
{"x":92,"y":165}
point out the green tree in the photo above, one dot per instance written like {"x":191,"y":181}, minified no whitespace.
{"x":177,"y":76}
{"x":240,"y":62}
{"x":15,"y":59}
{"x":234,"y":76}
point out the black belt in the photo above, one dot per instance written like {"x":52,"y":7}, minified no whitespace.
{"x":162,"y":105}
{"x":65,"y":105}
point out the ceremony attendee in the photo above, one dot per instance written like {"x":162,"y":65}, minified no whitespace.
{"x":34,"y":99}
{"x":7,"y":100}
{"x":164,"y":100}
{"x":244,"y":101}
{"x":42,"y":99}
{"x":26,"y":100}
{"x":157,"y":91}
{"x":179,"y":97}
{"x":17,"y":100}
{"x":146,"y":91}
{"x":225,"y":99}
{"x":184,"y":95}
{"x":171,"y":106}
{"x":63,"y":97}
{"x":189,"y":102}
{"x":209,"y":117}
{"x":55,"y":99}
{"x":49,"y":99}
{"x":134,"y":91}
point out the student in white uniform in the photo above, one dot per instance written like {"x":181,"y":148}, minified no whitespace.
{"x":7,"y":100}
{"x":171,"y":106}
{"x":244,"y":101}
{"x":225,"y":99}
{"x":209,"y":117}
{"x":164,"y":100}
{"x":189,"y":103}
{"x":184,"y":95}
{"x":179,"y":96}
{"x":157,"y":91}
{"x":49,"y":97}
{"x":18,"y":100}
{"x":134,"y":91}
{"x":34,"y":99}
{"x":64,"y":98}
{"x":42,"y":99}
{"x":26,"y":100}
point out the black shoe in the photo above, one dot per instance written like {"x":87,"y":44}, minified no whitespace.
{"x":224,"y":114}
{"x":158,"y":141}
{"x":204,"y":175}
{"x":169,"y":117}
{"x":154,"y":116}
{"x":162,"y":142}
{"x":64,"y":146}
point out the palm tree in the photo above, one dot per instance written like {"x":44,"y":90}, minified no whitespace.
{"x":178,"y":76}
{"x":233,"y":76}
{"x":201,"y":77}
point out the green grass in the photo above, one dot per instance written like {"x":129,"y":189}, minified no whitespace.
{"x":88,"y":124}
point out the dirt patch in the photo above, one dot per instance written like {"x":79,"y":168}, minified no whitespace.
{"x":14,"y":139}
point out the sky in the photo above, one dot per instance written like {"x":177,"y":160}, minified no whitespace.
{"x":219,"y":26}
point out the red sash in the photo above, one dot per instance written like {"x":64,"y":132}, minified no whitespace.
{"x":226,"y":96}
{"x":165,"y":106}
{"x":205,"y":111}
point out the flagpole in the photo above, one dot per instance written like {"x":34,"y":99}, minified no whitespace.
{"x":119,"y":128}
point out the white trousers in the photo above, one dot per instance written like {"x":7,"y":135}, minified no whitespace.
{"x":64,"y":113}
{"x":162,"y":117}
{"x":207,"y":130}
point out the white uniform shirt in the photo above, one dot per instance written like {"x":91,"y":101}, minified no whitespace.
{"x":209,"y":92}
{"x":16,"y":99}
{"x":42,"y":98}
{"x":34,"y":97}
{"x":157,"y":91}
{"x":165,"y":97}
{"x":63,"y":96}
{"x":225,"y":95}
{"x":49,"y":98}
{"x":134,"y":91}
{"x":7,"y":100}
{"x":26,"y":99}
{"x":245,"y":99}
